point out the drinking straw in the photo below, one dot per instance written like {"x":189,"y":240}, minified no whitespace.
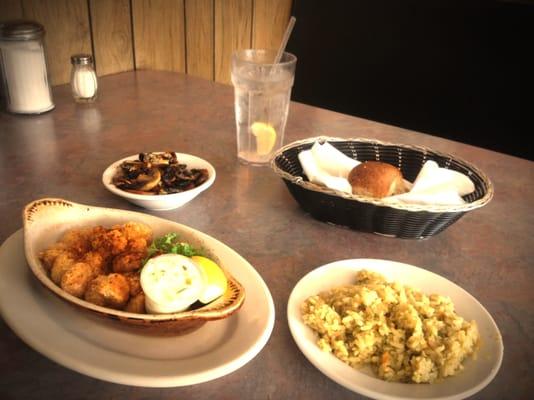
{"x":283,"y":45}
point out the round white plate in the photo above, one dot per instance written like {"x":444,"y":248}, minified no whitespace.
{"x":103,"y":351}
{"x":477,"y":373}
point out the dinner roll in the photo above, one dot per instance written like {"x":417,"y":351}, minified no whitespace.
{"x":376,"y":179}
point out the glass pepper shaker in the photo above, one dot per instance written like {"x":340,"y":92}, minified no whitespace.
{"x":83,"y":79}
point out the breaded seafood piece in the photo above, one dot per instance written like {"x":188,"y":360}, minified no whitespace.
{"x":93,"y":293}
{"x":96,"y":261}
{"x":109,"y":243}
{"x":61,"y":264}
{"x":128,"y":262}
{"x":77,"y":239}
{"x":137,"y":245}
{"x":134,"y":281}
{"x":97,"y":230}
{"x":135,"y":230}
{"x":136,"y":304}
{"x":75,"y":279}
{"x":109,"y":291}
{"x":49,"y":255}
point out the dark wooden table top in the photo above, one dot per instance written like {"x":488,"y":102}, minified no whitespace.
{"x":63,"y":153}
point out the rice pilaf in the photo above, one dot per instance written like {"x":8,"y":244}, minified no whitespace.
{"x":403,"y":334}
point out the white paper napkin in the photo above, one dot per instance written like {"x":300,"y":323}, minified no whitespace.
{"x":332,"y":161}
{"x":436,"y":186}
{"x":325,"y":165}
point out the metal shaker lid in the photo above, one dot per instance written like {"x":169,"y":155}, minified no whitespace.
{"x":21,"y":30}
{"x":81,"y":59}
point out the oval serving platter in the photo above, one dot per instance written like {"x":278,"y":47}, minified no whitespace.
{"x":45,"y":220}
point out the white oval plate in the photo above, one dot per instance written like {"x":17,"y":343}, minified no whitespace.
{"x":101,"y":350}
{"x":477,"y":373}
{"x":161,"y":202}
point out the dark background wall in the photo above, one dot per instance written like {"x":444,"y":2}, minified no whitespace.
{"x":457,"y":69}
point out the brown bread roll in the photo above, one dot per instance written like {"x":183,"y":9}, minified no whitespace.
{"x":376,"y":179}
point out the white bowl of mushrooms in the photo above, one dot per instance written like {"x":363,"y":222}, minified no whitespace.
{"x":159,"y":180}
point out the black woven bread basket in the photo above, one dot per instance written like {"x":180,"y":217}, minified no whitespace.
{"x":408,"y":221}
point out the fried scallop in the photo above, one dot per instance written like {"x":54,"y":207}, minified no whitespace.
{"x":128,"y":262}
{"x":96,"y":261}
{"x":136,"y":230}
{"x":49,"y":255}
{"x":134,"y":281}
{"x":61,"y":264}
{"x":137,"y":245}
{"x":109,"y":242}
{"x":96,"y":230}
{"x":109,"y":291}
{"x":136,"y":304}
{"x":76,"y":278}
{"x":77,"y":240}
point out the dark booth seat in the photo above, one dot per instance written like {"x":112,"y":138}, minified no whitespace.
{"x":455,"y":69}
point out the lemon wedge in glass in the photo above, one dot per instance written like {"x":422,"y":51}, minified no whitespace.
{"x":215,"y":282}
{"x":265,"y":137}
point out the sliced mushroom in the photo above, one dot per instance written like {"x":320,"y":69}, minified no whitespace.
{"x":159,"y":159}
{"x":131,"y":169}
{"x":149,"y":181}
{"x":201,"y":176}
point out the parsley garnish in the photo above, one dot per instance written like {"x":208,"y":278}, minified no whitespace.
{"x":170,"y":243}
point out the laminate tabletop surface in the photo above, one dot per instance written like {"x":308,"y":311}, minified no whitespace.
{"x":63,"y":153}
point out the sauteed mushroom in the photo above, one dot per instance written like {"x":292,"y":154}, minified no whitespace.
{"x":158,"y":173}
{"x":158,"y":158}
{"x":147,"y":182}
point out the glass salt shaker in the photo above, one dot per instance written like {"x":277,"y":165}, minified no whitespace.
{"x":26,"y":88}
{"x":83,"y":79}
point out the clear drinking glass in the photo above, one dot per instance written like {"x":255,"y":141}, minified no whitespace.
{"x":262,"y":95}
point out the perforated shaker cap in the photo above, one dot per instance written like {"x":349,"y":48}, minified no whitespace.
{"x":21,"y":30}
{"x":81,"y":59}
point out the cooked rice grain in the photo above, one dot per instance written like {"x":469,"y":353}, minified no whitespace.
{"x":403,"y":334}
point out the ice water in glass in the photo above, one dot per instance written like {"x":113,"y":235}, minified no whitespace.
{"x":262,"y":96}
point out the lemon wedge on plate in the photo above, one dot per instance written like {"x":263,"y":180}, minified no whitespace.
{"x":215,"y":282}
{"x":265,"y":137}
